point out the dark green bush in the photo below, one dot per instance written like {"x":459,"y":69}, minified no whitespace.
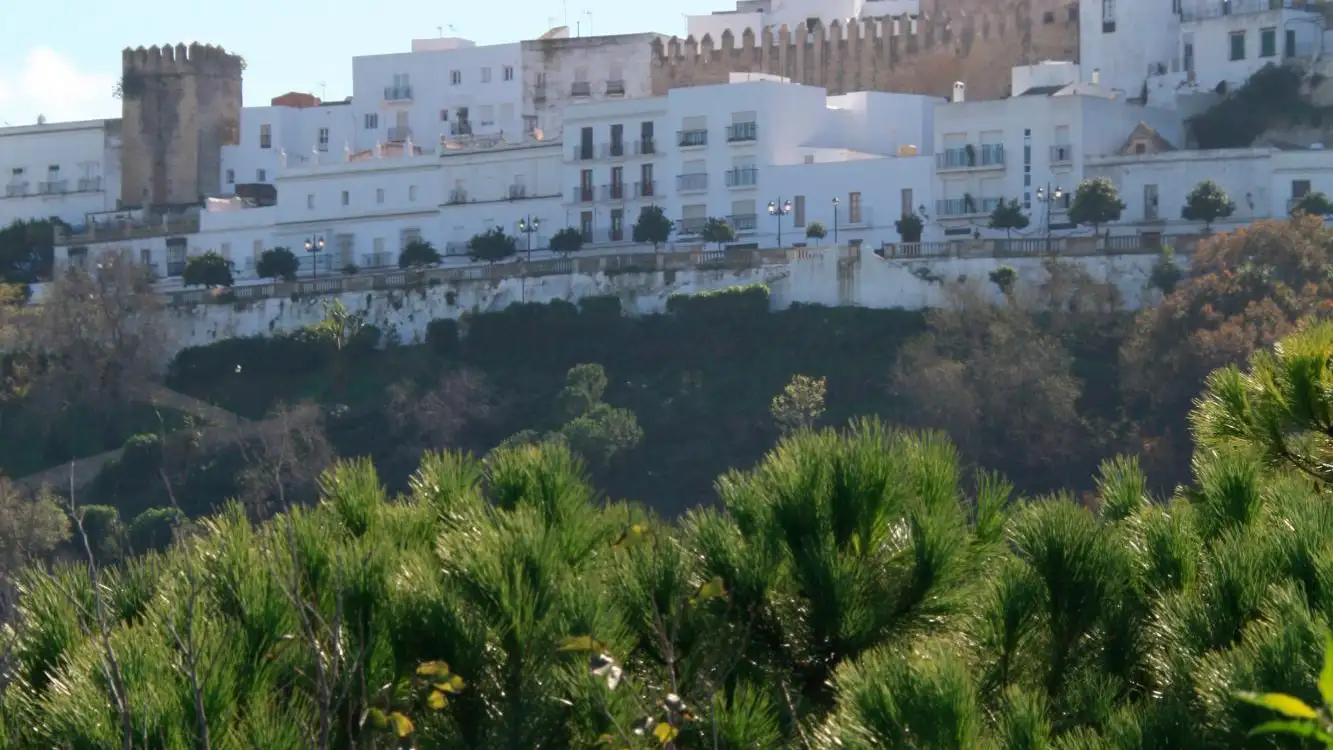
{"x":442,"y":337}
{"x":103,"y":531}
{"x":299,"y":352}
{"x":153,"y":529}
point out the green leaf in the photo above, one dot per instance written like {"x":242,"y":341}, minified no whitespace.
{"x":433,"y":669}
{"x":580,"y":644}
{"x":1286,"y":726}
{"x":714,"y":589}
{"x":452,"y":685}
{"x":377,"y":719}
{"x":665,"y":733}
{"x":437,"y":700}
{"x":1286,"y":705}
{"x":1326,"y":674}
{"x":402,"y":726}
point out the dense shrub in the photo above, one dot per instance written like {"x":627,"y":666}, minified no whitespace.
{"x":154,"y":529}
{"x":442,"y":337}
{"x":297,"y":352}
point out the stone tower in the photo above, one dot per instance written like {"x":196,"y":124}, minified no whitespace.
{"x":179,"y":106}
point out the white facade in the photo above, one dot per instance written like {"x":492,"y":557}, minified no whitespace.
{"x":302,"y":132}
{"x":727,"y":151}
{"x":1126,"y":40}
{"x":559,"y":71}
{"x":66,"y":170}
{"x":1010,"y":149}
{"x":490,"y":183}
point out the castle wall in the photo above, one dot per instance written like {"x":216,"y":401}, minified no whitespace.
{"x":179,"y":106}
{"x":953,"y":40}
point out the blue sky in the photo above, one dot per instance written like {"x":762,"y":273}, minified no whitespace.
{"x":60,"y":58}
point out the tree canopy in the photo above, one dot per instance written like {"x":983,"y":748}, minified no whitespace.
{"x":567,"y":240}
{"x":1096,"y":202}
{"x":278,"y":263}
{"x":418,"y":254}
{"x":1207,"y":202}
{"x":492,"y":245}
{"x":652,"y":227}
{"x":208,"y":269}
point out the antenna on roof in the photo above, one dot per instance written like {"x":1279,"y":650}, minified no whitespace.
{"x":323,"y":91}
{"x":440,"y":30}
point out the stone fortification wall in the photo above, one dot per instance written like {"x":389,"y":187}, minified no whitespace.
{"x":973,"y":41}
{"x":179,"y":106}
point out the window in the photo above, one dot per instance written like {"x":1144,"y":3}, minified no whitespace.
{"x":585,"y":225}
{"x":798,"y":211}
{"x":261,"y":175}
{"x":1268,"y":42}
{"x":646,"y":180}
{"x":585,"y":180}
{"x":1289,"y":49}
{"x":1299,"y":189}
{"x":585,"y":143}
{"x":444,"y":115}
{"x":146,"y":257}
{"x":1140,"y":148}
{"x":617,"y":140}
{"x":411,"y":192}
{"x":225,"y":247}
{"x":617,"y":224}
{"x":1108,"y":16}
{"x":1238,"y":45}
{"x":854,"y":208}
{"x":257,"y":249}
{"x":17,"y":172}
{"x":347,"y":198}
{"x":231,"y":176}
{"x":485,"y":75}
{"x":455,"y":77}
{"x":487,"y":115}
{"x":310,"y":200}
{"x":323,"y":139}
{"x":1048,"y":17}
{"x":907,"y":209}
{"x":509,"y":72}
{"x":265,"y":136}
{"x":372,"y":121}
{"x":379,"y":195}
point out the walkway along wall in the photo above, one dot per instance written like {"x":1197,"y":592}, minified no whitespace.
{"x":842,"y":276}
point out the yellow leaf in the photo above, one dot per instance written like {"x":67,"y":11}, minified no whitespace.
{"x":437,"y":701}
{"x":452,"y":685}
{"x":713,"y":589}
{"x":1288,"y":706}
{"x":1326,"y":675}
{"x":377,"y":719}
{"x":580,"y":643}
{"x":665,"y":733}
{"x":433,"y":669}
{"x":402,"y":726}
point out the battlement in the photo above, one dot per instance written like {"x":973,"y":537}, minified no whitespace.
{"x":181,"y":59}
{"x":922,"y":54}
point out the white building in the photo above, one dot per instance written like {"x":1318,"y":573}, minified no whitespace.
{"x":728,"y":151}
{"x":489,"y":182}
{"x":66,"y":170}
{"x":757,"y":15}
{"x":1126,"y":40}
{"x":1031,"y":147}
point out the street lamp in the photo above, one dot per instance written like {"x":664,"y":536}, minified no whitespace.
{"x":529,"y":225}
{"x":1048,"y":196}
{"x":835,"y":219}
{"x":313,"y":245}
{"x":779,"y":209}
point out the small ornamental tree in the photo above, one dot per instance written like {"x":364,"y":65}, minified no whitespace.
{"x":418,"y":254}
{"x":815,"y":231}
{"x":1207,"y":202}
{"x":910,"y":228}
{"x":653,"y":227}
{"x":1009,"y":216}
{"x":717,"y":230}
{"x":567,"y":240}
{"x":1315,"y":204}
{"x":278,"y":263}
{"x":491,"y":245}
{"x":1096,"y":202}
{"x":209,"y":269}
{"x":1004,"y":277}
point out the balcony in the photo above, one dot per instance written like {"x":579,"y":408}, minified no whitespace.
{"x":746,"y":177}
{"x":645,"y":189}
{"x":691,"y":226}
{"x":120,"y":229}
{"x":1062,"y":154}
{"x":398,"y":135}
{"x":397,"y":93}
{"x":581,"y":194}
{"x":692,"y":183}
{"x":517,"y":192}
{"x":645,"y":146}
{"x":175,"y":267}
{"x":584,"y":153}
{"x":455,"y":248}
{"x":90,"y":184}
{"x":742,"y":132}
{"x":1202,"y":11}
{"x":457,"y":196}
{"x":969,"y":157}
{"x":378,"y":260}
{"x":613,"y":150}
{"x":957,"y":208}
{"x":539,"y":93}
{"x":615,"y":87}
{"x":53,"y":187}
{"x":613,"y":192}
{"x":16,"y":189}
{"x":580,"y":88}
{"x":692,"y":138}
{"x":743,"y":222}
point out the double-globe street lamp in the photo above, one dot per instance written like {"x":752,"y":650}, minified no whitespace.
{"x":835,"y":219}
{"x":779,"y":209}
{"x":529,"y":225}
{"x":1048,"y":196}
{"x":314,"y":245}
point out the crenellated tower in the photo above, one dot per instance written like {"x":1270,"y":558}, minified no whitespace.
{"x":179,"y":106}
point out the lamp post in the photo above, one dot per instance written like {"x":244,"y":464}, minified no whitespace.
{"x":779,"y":209}
{"x":529,"y":225}
{"x":313,"y":245}
{"x":835,"y":219}
{"x":1048,"y":196}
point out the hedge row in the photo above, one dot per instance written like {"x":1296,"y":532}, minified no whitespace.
{"x":304,"y":350}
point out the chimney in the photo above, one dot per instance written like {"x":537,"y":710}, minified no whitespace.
{"x":1096,"y":76}
{"x":959,"y":92}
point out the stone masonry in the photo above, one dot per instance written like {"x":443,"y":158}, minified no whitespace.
{"x":973,"y":41}
{"x":179,"y":106}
